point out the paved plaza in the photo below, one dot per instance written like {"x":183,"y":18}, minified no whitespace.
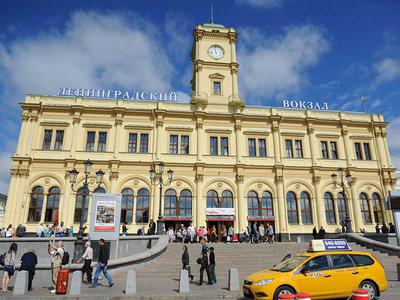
{"x":159,"y":279}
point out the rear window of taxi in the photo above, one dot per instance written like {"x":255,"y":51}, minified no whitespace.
{"x":362,"y":260}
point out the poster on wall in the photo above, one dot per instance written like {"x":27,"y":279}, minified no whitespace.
{"x":105,"y":216}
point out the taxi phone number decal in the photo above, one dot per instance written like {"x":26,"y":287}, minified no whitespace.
{"x":336,"y":244}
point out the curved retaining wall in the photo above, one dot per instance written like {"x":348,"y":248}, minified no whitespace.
{"x":132,"y":250}
{"x":371,"y":244}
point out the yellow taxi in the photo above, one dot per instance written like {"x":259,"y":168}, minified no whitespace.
{"x":328,"y":270}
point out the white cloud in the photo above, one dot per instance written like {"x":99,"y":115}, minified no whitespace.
{"x":394,"y":141}
{"x":261,"y":3}
{"x":5,"y":164}
{"x":387,"y":69}
{"x":114,"y":50}
{"x":276,"y":67}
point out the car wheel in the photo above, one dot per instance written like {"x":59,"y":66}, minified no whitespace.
{"x":284,"y":289}
{"x":371,"y":288}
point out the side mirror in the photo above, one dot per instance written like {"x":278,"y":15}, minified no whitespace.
{"x":304,"y":271}
{"x":286,"y":257}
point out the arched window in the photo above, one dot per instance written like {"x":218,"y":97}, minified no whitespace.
{"x":79,"y":207}
{"x":226,"y":200}
{"x":291,"y":204}
{"x":99,"y":190}
{"x":127,"y":206}
{"x":170,"y":205}
{"x":185,"y":203}
{"x":53,"y":203}
{"x":305,"y":206}
{"x":329,"y":209}
{"x":267,"y":206}
{"x":366,"y":214}
{"x":36,"y":204}
{"x":377,"y":207}
{"x":341,"y":207}
{"x":212,"y":199}
{"x":142,"y":206}
{"x":252,"y":204}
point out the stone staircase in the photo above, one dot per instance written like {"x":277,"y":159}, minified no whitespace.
{"x":247,"y":258}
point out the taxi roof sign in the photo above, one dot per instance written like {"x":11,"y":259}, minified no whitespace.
{"x":328,"y":245}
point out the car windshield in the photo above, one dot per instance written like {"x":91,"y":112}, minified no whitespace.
{"x":289,"y":264}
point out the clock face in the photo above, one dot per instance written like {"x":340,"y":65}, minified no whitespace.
{"x":216,"y":52}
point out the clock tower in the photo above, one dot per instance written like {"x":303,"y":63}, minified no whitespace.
{"x":215,"y":70}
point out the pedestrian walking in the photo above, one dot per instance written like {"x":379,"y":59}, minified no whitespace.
{"x":254,"y":233}
{"x":102,"y":265}
{"x":261,"y":231}
{"x":28,"y":263}
{"x":315,"y":233}
{"x":224,"y":234}
{"x":87,"y":257}
{"x":321,"y":233}
{"x":230,"y":234}
{"x":213,"y":234}
{"x":271,"y":233}
{"x":124,"y":229}
{"x":185,"y":257}
{"x":212,"y":266}
{"x":9,"y":266}
{"x":57,"y":253}
{"x":205,"y":262}
{"x":152,"y":228}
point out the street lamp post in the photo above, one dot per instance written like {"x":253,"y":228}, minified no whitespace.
{"x":79,"y":245}
{"x":157,"y":179}
{"x":345,"y":179}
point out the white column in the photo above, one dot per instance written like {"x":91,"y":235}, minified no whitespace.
{"x":356,"y":211}
{"x":283,"y":224}
{"x":200,"y":202}
{"x":242,"y":205}
{"x":23,"y":141}
{"x":319,"y":202}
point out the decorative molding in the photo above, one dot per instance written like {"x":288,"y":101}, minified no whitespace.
{"x":361,"y":137}
{"x":135,"y":182}
{"x":199,"y":124}
{"x":316,"y":179}
{"x":239,"y":178}
{"x":292,"y":133}
{"x":67,"y":175}
{"x":216,"y":76}
{"x":23,"y":172}
{"x":199,"y":177}
{"x":278,"y":179}
{"x":97,"y":125}
{"x":54,"y":124}
{"x":178,"y":183}
{"x":14,"y":172}
{"x":238,"y":125}
{"x":215,"y":130}
{"x":34,"y":118}
{"x":183,"y":129}
{"x":25,"y":116}
{"x":257,"y":133}
{"x":138,"y":127}
{"x":114,"y":175}
{"x":328,"y":136}
{"x":118,"y":121}
{"x":76,"y":119}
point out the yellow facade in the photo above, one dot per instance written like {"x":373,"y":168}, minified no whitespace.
{"x":214,"y":113}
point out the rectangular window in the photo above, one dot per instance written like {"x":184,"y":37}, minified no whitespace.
{"x":224,"y":146}
{"x":101,"y":147}
{"x":47,"y":139}
{"x":299,"y":148}
{"x":217,"y":88}
{"x":334,"y":153}
{"x":367,"y":152}
{"x":262,"y":148}
{"x":289,"y":148}
{"x":132,"y":145}
{"x":213,"y":145}
{"x":184,"y":144}
{"x":144,"y":143}
{"x":91,"y":136}
{"x":173,"y":144}
{"x":324,"y":149}
{"x":252,"y":147}
{"x":59,"y":140}
{"x":357,"y":147}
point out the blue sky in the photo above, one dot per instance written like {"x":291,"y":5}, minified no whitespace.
{"x":336,"y":51}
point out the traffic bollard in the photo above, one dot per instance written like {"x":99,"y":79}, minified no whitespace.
{"x":398,"y":271}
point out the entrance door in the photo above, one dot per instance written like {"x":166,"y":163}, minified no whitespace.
{"x":219,"y":225}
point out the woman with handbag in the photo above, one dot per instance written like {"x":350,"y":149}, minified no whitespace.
{"x":9,"y":266}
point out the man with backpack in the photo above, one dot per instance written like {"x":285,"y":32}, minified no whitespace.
{"x":57,"y":260}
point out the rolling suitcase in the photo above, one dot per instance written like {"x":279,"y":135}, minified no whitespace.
{"x":62,"y":282}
